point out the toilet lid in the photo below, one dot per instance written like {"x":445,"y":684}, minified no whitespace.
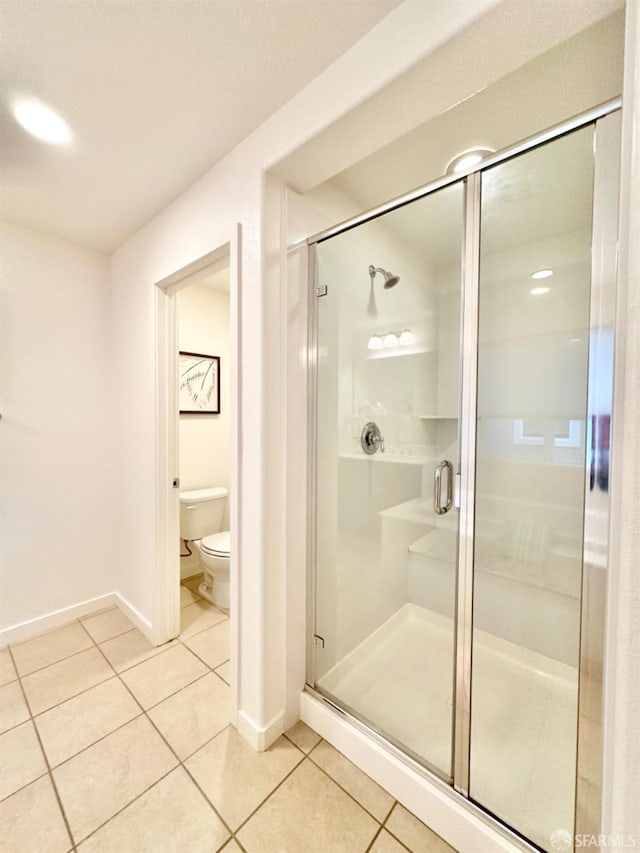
{"x":217,"y":544}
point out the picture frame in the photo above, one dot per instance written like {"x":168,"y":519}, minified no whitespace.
{"x":198,"y":383}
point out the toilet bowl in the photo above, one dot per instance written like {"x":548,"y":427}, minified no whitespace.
{"x":202,"y":513}
{"x":214,"y":557}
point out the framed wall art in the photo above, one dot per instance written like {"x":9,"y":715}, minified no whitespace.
{"x":198,"y":383}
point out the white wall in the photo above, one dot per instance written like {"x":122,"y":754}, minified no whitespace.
{"x":203,"y":327}
{"x":622,"y":720}
{"x":200,"y":220}
{"x":57,"y":425}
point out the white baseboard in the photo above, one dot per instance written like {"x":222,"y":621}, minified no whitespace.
{"x":190,"y":566}
{"x":260,"y":738}
{"x":33,"y":627}
{"x":135,"y":616}
{"x":28,"y":629}
{"x":441,"y":808}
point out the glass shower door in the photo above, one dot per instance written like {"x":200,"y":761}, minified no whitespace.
{"x":387,"y":404}
{"x":533,"y":368}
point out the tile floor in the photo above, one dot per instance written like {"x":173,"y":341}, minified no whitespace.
{"x":110,"y":744}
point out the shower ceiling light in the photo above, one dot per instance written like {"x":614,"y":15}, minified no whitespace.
{"x":542,"y":274}
{"x":42,"y":122}
{"x":375,"y":342}
{"x":406,"y":338}
{"x":538,"y":291}
{"x":467,"y":160}
{"x":391,"y":339}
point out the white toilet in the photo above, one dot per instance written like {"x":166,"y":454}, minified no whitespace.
{"x":202,"y":514}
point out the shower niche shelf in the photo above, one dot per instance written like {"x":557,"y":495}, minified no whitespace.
{"x":388,"y":458}
{"x":438,"y":417}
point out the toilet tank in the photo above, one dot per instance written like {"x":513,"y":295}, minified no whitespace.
{"x":202,"y":512}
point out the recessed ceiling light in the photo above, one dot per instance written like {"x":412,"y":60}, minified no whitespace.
{"x":538,"y":291}
{"x":467,"y":160}
{"x":42,"y":122}
{"x":542,"y":274}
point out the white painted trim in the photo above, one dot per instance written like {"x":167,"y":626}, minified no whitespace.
{"x":621,"y":760}
{"x":28,"y":629}
{"x":142,"y":624}
{"x":440,"y":810}
{"x":260,"y":738}
{"x":166,"y":623}
{"x":236,"y":462}
{"x":32,"y":627}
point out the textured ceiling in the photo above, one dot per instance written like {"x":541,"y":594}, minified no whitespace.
{"x":156,"y":92}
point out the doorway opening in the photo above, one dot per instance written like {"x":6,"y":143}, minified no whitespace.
{"x":197,"y":383}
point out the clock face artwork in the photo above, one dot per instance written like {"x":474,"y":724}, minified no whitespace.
{"x":199,"y":383}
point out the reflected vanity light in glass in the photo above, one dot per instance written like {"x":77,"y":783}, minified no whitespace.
{"x":390,"y":340}
{"x":542,"y":274}
{"x":539,"y":291}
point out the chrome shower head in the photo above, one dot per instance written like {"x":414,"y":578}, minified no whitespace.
{"x":390,"y":280}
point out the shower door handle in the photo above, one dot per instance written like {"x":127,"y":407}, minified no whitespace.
{"x":438,"y":508}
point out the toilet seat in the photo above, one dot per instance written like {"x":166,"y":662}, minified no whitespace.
{"x":218,"y":544}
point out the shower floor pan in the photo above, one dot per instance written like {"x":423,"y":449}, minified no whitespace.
{"x":523,"y":713}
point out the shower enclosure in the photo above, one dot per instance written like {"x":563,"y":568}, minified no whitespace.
{"x":461,"y":342}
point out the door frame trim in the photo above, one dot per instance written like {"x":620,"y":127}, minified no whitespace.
{"x":166,"y":623}
{"x":461,"y":740}
{"x":464,"y":592}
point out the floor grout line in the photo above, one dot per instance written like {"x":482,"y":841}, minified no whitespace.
{"x":391,"y":833}
{"x":137,"y":797}
{"x":44,"y":773}
{"x":46,"y":761}
{"x":391,"y":808}
{"x":73,"y":696}
{"x":96,"y":741}
{"x":181,"y":636}
{"x":158,"y":650}
{"x":342,"y":788}
{"x":201,"y":659}
{"x":180,"y":764}
{"x":113,"y":675}
{"x":143,"y":713}
{"x":53,"y":663}
{"x":113,"y":637}
{"x":175,"y":692}
{"x":374,"y":839}
{"x":272,"y":792}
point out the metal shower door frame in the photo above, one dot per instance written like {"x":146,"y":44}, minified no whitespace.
{"x":463,"y":623}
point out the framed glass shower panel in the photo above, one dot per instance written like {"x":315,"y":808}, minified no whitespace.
{"x":533,"y":368}
{"x":387,"y":313}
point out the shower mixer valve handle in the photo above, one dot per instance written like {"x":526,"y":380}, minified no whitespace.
{"x":370,"y":439}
